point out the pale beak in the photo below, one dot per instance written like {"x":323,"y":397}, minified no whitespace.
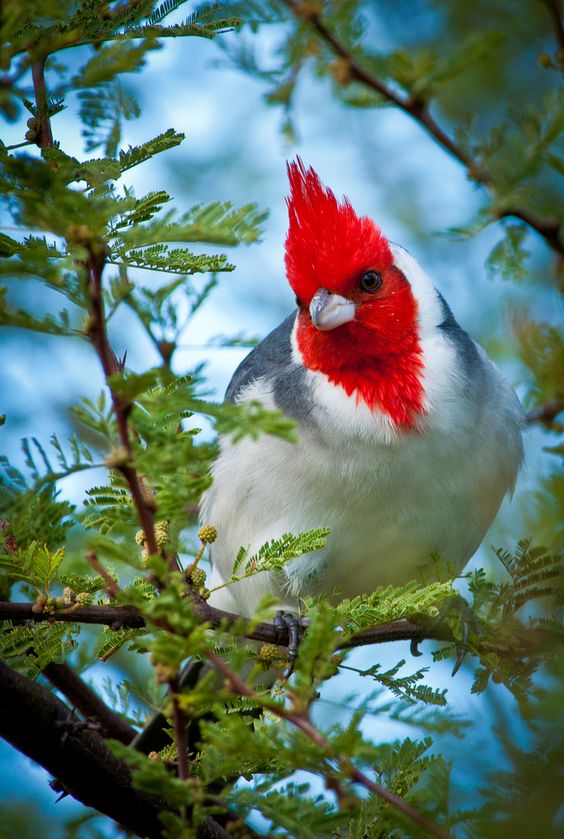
{"x":330,"y":310}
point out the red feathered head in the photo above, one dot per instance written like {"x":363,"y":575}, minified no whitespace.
{"x":327,"y":245}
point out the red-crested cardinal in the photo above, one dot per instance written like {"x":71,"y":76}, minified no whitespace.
{"x":408,"y":436}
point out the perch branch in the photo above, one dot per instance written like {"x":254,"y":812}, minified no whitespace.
{"x":128,"y":617}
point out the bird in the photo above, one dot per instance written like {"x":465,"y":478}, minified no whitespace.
{"x":408,"y":437}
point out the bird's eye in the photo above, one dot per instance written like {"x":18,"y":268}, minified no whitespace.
{"x":371,"y":281}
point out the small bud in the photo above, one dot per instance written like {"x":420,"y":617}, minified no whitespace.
{"x":341,"y":71}
{"x":40,"y":603}
{"x":33,"y":122}
{"x":31,"y":134}
{"x":161,"y":533}
{"x":140,"y":537}
{"x":204,"y":593}
{"x":153,"y":756}
{"x":207,"y":534}
{"x":69,"y":596}
{"x":545,"y":60}
{"x":117,"y":457}
{"x":271,"y":656}
{"x":84,"y":598}
{"x":198,"y":577}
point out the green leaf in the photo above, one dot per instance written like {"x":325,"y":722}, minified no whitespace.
{"x":508,"y":257}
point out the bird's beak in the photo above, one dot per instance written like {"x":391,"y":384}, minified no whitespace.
{"x":330,"y":310}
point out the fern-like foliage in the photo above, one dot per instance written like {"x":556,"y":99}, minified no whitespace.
{"x":273,"y":555}
{"x":31,"y":649}
{"x":535,"y":573}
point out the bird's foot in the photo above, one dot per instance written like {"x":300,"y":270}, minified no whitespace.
{"x":414,"y":647}
{"x":291,"y":626}
{"x":459,"y":616}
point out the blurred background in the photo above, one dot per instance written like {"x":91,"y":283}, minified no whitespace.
{"x":236,"y":148}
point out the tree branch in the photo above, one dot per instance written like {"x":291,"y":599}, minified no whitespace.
{"x":38,"y":724}
{"x":180,"y":730}
{"x":418,"y":110}
{"x":547,"y":413}
{"x":128,"y":617}
{"x":42,"y":727}
{"x":81,"y":696}
{"x":144,"y":505}
{"x":44,"y":137}
{"x":555,"y":13}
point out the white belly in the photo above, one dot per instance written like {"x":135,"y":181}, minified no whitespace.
{"x":388,"y":507}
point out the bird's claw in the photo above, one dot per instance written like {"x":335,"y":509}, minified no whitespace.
{"x":414,"y":647}
{"x":462,"y":647}
{"x":292,"y":626}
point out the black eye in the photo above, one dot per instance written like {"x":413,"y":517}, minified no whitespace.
{"x":371,"y":281}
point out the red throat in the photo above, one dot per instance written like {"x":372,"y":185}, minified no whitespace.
{"x":376,"y":357}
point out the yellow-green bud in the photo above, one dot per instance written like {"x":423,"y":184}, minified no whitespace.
{"x":117,"y":457}
{"x":40,"y":603}
{"x":271,"y":656}
{"x":269,"y":652}
{"x":161,"y":533}
{"x":140,"y":537}
{"x":207,"y":534}
{"x":198,"y":577}
{"x":68,"y":595}
{"x":84,"y":598}
{"x":545,"y":60}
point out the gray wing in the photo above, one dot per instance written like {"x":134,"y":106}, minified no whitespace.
{"x":465,"y":347}
{"x":486,"y":388}
{"x":272,"y":358}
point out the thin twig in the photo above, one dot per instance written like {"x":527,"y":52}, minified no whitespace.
{"x":180,"y":731}
{"x":418,"y":110}
{"x":301,"y":720}
{"x":547,"y":413}
{"x":555,"y":13}
{"x":44,"y":134}
{"x":18,"y":146}
{"x":144,"y":503}
{"x":112,"y":587}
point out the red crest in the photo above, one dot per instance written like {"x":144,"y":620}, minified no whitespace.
{"x":328,"y":245}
